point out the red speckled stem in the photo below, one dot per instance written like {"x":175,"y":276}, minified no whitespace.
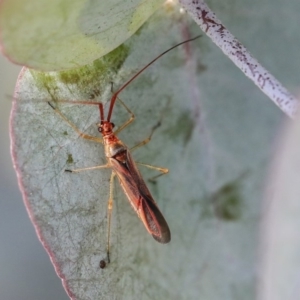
{"x":213,"y":27}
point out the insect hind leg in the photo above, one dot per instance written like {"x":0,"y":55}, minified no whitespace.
{"x":109,"y":213}
{"x":87,"y":169}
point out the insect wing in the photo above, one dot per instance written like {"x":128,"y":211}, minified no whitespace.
{"x":139,"y":196}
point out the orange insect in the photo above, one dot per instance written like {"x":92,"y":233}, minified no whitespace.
{"x":123,"y":166}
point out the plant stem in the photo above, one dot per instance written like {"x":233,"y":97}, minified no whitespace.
{"x":209,"y":23}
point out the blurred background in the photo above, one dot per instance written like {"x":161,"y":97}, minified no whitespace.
{"x":25,"y":269}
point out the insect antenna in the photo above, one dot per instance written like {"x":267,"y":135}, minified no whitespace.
{"x":115,"y":95}
{"x":101,"y":112}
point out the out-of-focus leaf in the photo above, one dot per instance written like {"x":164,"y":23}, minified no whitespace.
{"x":215,"y":137}
{"x":63,"y":34}
{"x":280,"y":251}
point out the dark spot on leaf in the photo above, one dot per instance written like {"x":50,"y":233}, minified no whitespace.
{"x":201,"y":68}
{"x":102,"y":264}
{"x":227,"y":201}
{"x":94,"y":93}
{"x":182,"y":129}
{"x":70,"y":159}
{"x":65,"y":133}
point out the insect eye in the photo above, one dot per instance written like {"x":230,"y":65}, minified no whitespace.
{"x":113,"y":125}
{"x":100,"y":129}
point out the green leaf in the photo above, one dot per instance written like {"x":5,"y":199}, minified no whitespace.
{"x":63,"y":34}
{"x":280,"y":247}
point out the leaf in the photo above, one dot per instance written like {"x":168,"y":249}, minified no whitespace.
{"x":57,"y":35}
{"x":280,"y":235}
{"x":215,"y":137}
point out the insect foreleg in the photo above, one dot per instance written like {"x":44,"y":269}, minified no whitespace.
{"x":130,"y":120}
{"x":80,"y":133}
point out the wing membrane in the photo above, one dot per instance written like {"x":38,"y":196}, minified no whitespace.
{"x":139,"y":196}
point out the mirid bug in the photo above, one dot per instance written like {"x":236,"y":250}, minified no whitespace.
{"x":123,"y":166}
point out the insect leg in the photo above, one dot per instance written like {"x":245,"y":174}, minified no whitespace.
{"x":143,"y":143}
{"x":109,"y":212}
{"x":80,"y":133}
{"x":163,"y":171}
{"x":87,"y":169}
{"x":148,"y":139}
{"x":131,"y":119}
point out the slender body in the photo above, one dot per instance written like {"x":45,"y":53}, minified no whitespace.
{"x":133,"y":185}
{"x":123,"y":166}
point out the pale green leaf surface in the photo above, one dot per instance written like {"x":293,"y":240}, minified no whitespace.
{"x":212,"y":196}
{"x":63,"y":34}
{"x":280,"y":237}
